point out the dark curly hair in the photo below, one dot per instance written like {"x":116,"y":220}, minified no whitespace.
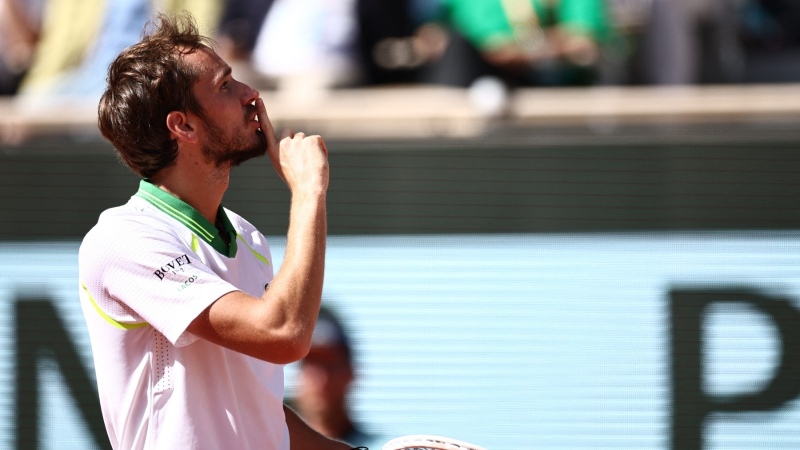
{"x":145,"y":83}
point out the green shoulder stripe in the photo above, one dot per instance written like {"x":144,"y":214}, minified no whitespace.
{"x":259,"y":256}
{"x":122,"y":326}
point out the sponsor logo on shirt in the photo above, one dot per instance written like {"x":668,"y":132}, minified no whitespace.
{"x":174,"y":266}
{"x":187,"y":283}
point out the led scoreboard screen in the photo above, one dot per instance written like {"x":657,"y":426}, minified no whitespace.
{"x":654,"y":340}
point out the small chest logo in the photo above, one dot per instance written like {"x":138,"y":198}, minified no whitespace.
{"x":174,"y":266}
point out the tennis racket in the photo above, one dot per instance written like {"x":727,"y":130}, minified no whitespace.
{"x":428,"y":442}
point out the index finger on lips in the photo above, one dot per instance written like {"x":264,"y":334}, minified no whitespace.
{"x":265,"y":124}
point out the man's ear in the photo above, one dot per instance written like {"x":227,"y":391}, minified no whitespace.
{"x":181,"y":126}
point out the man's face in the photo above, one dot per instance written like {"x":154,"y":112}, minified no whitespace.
{"x":231,"y":132}
{"x":325,"y":377}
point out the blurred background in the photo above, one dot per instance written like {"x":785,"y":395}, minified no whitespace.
{"x":553,"y":223}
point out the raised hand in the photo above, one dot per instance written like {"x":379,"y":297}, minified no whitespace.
{"x":300,"y":160}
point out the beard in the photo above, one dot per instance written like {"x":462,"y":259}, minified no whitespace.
{"x":225,"y":150}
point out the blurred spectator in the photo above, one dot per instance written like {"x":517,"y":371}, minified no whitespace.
{"x":308,"y":46}
{"x":237,"y":34}
{"x":78,"y":41}
{"x":629,"y":19}
{"x":68,"y":30}
{"x":62,"y":47}
{"x":384,"y":41}
{"x":692,"y":41}
{"x":770,"y":31}
{"x":526,"y":42}
{"x":20,"y":21}
{"x":120,"y":27}
{"x":325,"y":377}
{"x":207,"y":13}
{"x":394,"y":41}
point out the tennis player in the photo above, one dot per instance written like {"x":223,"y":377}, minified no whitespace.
{"x":189,"y":329}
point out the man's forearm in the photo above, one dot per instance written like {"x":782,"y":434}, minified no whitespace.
{"x":306,"y":244}
{"x":295,"y":293}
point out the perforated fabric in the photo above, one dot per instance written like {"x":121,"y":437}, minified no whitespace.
{"x":162,"y":362}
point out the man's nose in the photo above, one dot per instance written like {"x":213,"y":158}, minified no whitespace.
{"x":249,"y":95}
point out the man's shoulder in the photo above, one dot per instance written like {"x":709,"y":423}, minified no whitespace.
{"x":127,"y":223}
{"x":242,"y":225}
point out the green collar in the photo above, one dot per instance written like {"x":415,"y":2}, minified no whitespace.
{"x":187,"y":215}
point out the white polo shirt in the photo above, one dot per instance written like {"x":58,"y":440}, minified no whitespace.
{"x":147,"y":269}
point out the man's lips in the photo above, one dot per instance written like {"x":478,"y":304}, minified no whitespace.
{"x":252,"y":116}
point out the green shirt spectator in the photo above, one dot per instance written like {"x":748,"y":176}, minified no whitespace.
{"x":523,"y":34}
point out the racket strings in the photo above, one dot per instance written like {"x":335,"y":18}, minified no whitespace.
{"x":439,"y":447}
{"x":428,"y":442}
